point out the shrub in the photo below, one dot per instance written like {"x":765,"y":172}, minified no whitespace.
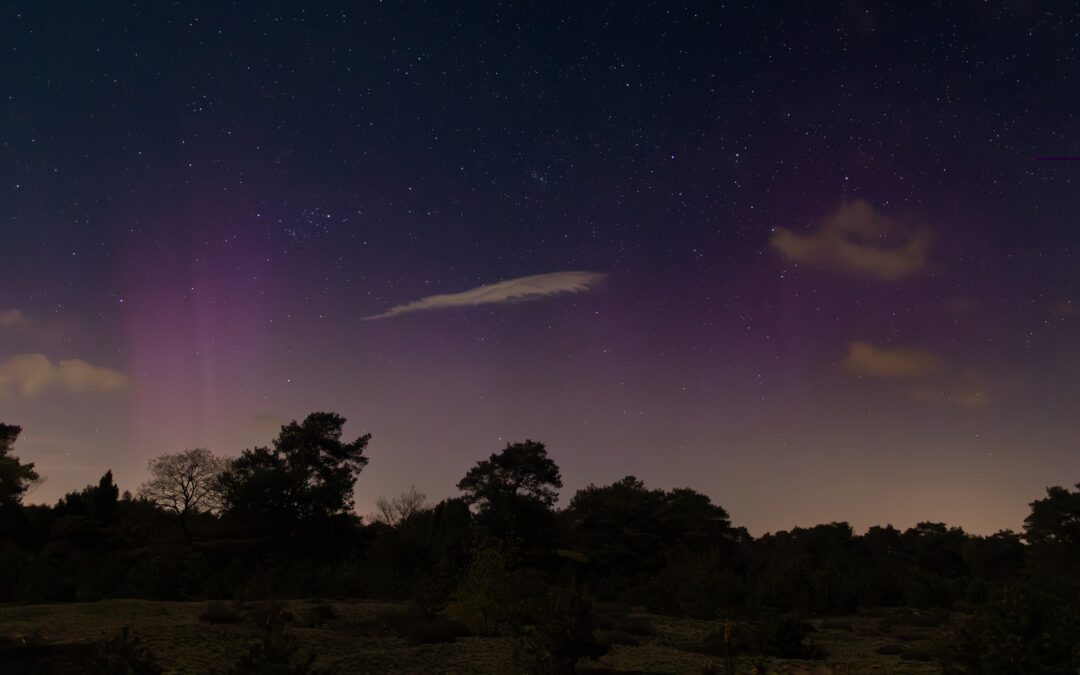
{"x":44,"y":580}
{"x":482,"y":600}
{"x":1027,"y":630}
{"x":563,"y":634}
{"x":274,"y":654}
{"x":432,"y":592}
{"x":786,"y":637}
{"x":124,"y":655}
{"x":772,"y":634}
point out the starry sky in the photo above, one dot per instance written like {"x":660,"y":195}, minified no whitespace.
{"x":810,"y":260}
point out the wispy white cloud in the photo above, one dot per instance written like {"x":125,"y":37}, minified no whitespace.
{"x":857,"y":239}
{"x":9,"y":318}
{"x":521,"y":289}
{"x":32,"y":374}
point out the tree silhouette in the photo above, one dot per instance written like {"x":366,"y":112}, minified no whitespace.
{"x":16,"y":478}
{"x":184,"y":483}
{"x":514,"y":491}
{"x":309,"y":473}
{"x":627,"y":528}
{"x":93,"y":501}
{"x":394,"y":511}
{"x":520,"y":470}
{"x":614,"y":525}
{"x":1055,"y":519}
{"x":1053,"y":531}
{"x":691,"y":520}
{"x":103,"y":506}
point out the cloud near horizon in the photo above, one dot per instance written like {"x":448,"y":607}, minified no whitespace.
{"x":32,"y":374}
{"x":521,"y":289}
{"x":9,"y":318}
{"x":1063,"y":309}
{"x":928,"y":377}
{"x":965,"y":396}
{"x":268,"y":423}
{"x":858,"y":239}
{"x":893,"y":363}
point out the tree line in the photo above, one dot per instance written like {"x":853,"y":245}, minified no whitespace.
{"x":279,"y":521}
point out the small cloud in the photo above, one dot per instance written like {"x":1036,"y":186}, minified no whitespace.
{"x":1063,"y":309}
{"x":511,"y":290}
{"x":965,"y":396}
{"x":10,"y":318}
{"x":963,"y":306}
{"x":32,"y":374}
{"x":857,"y":239}
{"x":894,"y":363}
{"x":929,"y":379}
{"x":79,"y":377}
{"x":268,"y":423}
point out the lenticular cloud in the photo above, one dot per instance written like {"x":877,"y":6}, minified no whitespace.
{"x":521,"y":289}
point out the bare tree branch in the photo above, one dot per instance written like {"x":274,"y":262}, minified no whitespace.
{"x":396,"y":510}
{"x":185,"y":483}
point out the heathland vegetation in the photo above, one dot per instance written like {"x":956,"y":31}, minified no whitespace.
{"x":259,"y":564}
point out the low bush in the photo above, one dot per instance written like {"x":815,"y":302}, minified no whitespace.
{"x":124,"y":654}
{"x":787,"y":637}
{"x":563,"y":633}
{"x":1028,"y":629}
{"x":771,"y":634}
{"x":277,"y":653}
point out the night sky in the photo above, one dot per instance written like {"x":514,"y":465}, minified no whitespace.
{"x":802,"y":259}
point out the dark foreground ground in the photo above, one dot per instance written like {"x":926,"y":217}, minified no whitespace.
{"x":358,"y":637}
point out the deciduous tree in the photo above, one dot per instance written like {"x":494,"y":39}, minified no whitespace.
{"x":185,"y":483}
{"x":396,"y":510}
